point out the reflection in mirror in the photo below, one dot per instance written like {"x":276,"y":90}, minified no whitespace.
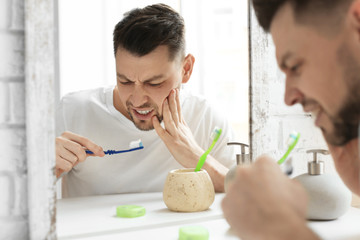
{"x":216,"y":35}
{"x":215,"y":66}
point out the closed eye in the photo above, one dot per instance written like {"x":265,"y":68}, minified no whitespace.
{"x":125,"y":83}
{"x":154,"y":84}
{"x":295,"y":68}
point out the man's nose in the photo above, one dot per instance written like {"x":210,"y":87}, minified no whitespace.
{"x":138,"y":96}
{"x":292,"y":95}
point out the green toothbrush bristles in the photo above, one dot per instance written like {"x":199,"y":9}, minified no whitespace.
{"x":215,"y":135}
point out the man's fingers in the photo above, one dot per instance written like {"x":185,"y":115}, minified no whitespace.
{"x":72,"y":154}
{"x":178,"y":105}
{"x":168,"y":120}
{"x":173,"y":105}
{"x":63,"y":164}
{"x":76,"y":149}
{"x":83,"y":142}
{"x":158,"y":128}
{"x":70,"y":150}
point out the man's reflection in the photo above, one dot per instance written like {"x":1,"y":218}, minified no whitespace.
{"x":146,"y":103}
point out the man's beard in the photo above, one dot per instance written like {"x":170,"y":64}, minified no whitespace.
{"x":346,"y":122}
{"x":345,"y":125}
{"x":142,"y":124}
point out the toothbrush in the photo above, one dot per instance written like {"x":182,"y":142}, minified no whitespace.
{"x":291,"y":142}
{"x":215,"y":136}
{"x":133,"y":146}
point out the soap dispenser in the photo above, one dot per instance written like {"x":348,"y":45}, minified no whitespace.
{"x":241,"y":159}
{"x":328,"y":196}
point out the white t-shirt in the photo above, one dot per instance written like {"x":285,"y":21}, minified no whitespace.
{"x":91,"y":113}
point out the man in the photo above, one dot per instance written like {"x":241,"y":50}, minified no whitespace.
{"x":151,"y":66}
{"x":317,"y":47}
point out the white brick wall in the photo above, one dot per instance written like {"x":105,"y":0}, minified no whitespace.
{"x":12,"y":48}
{"x":13,"y":170}
{"x":4,"y":14}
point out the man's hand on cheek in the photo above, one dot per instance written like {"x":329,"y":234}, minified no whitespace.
{"x":176,"y":135}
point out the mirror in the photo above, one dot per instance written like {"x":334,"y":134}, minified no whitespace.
{"x":38,"y":215}
{"x":216,"y":34}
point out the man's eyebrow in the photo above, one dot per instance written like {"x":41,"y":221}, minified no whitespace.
{"x":123,"y":77}
{"x":156,"y":77}
{"x":284,"y":59}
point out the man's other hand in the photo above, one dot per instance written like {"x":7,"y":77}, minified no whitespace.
{"x":70,"y":150}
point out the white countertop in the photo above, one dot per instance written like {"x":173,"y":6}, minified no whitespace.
{"x":95,"y":218}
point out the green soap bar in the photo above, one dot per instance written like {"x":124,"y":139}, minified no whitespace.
{"x":130,"y":211}
{"x":193,"y":233}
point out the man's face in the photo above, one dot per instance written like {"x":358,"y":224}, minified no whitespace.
{"x":143,"y":83}
{"x":322,"y":74}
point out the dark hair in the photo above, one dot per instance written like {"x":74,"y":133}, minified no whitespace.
{"x":265,"y":11}
{"x":144,"y":29}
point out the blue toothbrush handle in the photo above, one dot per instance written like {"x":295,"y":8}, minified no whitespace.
{"x":110,"y":152}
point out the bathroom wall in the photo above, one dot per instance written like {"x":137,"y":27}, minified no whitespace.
{"x":13,"y":167}
{"x":271,"y":120}
{"x":27,"y":199}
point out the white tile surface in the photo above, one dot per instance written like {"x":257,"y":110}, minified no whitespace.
{"x":94,"y":218}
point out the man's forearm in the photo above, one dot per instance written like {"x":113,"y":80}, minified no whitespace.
{"x":217,"y":172}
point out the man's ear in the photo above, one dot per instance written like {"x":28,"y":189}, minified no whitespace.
{"x":188,"y":65}
{"x":354,"y":17}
